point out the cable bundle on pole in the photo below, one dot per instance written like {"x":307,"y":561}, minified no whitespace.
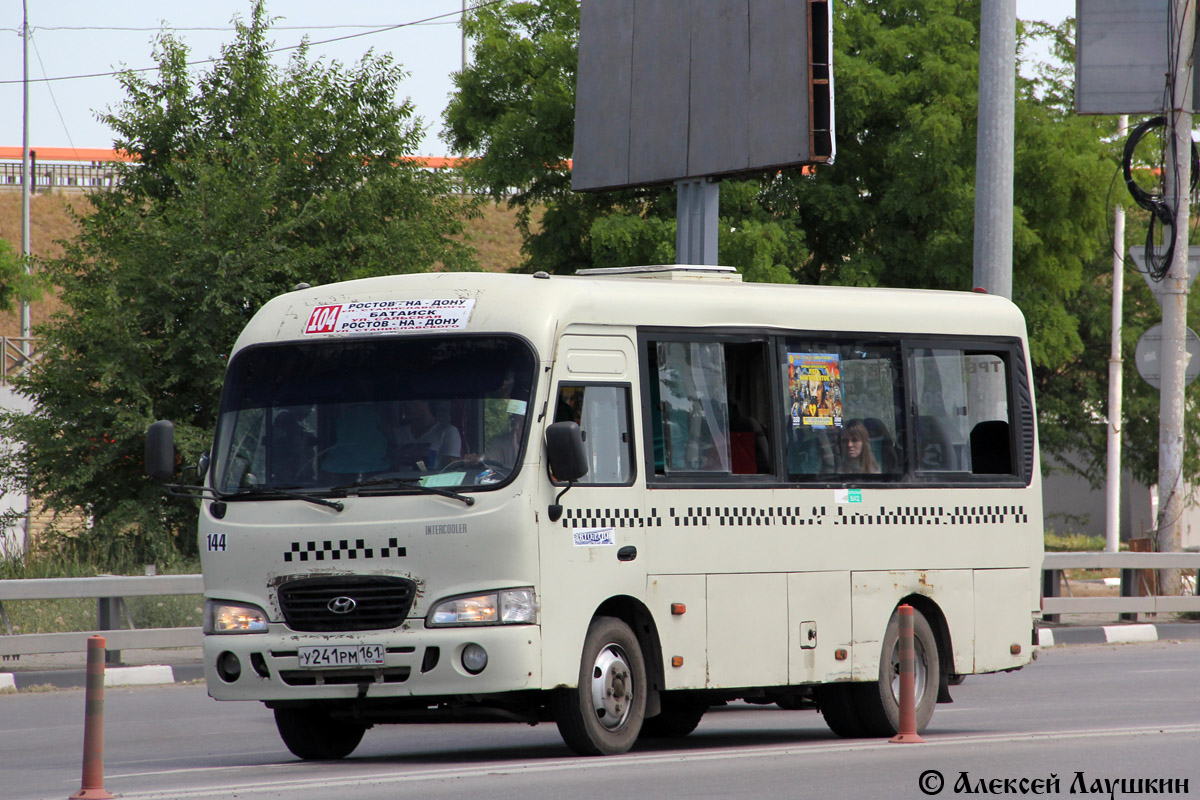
{"x":1155,"y":203}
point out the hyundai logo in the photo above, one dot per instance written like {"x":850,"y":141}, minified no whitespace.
{"x":342,"y":605}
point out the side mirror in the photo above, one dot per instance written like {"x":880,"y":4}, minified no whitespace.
{"x":565,"y":451}
{"x":160,"y":450}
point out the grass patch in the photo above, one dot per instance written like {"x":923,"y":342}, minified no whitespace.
{"x":80,"y":614}
{"x":1073,"y":543}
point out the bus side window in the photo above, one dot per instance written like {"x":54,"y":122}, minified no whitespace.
{"x":963,"y":415}
{"x":843,"y":409}
{"x":602,"y":413}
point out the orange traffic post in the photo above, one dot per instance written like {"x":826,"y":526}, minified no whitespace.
{"x":93,"y":725}
{"x":908,"y":691}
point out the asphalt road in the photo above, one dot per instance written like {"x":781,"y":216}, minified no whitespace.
{"x":1088,"y":713}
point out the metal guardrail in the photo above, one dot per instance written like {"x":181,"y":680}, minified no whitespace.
{"x":48,"y":176}
{"x":109,"y":592}
{"x":1127,"y":605}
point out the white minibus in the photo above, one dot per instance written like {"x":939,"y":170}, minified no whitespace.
{"x":613,"y":501}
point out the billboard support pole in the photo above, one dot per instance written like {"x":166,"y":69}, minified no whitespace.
{"x":696,"y":213}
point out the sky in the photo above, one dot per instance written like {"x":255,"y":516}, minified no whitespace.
{"x":85,"y":37}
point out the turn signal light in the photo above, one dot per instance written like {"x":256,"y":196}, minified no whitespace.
{"x":678,"y":609}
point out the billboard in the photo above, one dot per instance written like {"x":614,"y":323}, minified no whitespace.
{"x":675,"y":89}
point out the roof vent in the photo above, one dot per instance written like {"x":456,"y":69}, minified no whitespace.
{"x":668,"y":272}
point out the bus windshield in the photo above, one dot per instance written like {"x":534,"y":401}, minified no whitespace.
{"x":378,"y":415}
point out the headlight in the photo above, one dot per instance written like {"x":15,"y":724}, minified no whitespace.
{"x":221,"y":617}
{"x":505,"y":607}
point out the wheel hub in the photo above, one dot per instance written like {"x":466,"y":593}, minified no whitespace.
{"x":612,"y":687}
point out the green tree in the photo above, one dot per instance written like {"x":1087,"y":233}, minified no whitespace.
{"x":247,"y":179}
{"x":16,"y":284}
{"x":896,"y":209}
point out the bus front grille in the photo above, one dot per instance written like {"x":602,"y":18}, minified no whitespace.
{"x":346,"y":602}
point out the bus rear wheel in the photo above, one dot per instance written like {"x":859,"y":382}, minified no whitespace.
{"x":878,"y":703}
{"x":312,"y":734}
{"x":603,"y":714}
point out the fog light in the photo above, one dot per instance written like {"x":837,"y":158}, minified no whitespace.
{"x":229,"y":667}
{"x":474,"y":659}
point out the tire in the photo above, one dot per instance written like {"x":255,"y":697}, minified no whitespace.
{"x":838,"y":707}
{"x":878,"y":703}
{"x":603,"y":715}
{"x":311,"y":734}
{"x":677,"y":719}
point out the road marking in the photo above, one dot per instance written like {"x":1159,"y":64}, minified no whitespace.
{"x":607,"y":763}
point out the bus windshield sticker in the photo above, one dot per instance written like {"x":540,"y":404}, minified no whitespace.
{"x":595,"y":537}
{"x":391,"y":316}
{"x":815,"y":389}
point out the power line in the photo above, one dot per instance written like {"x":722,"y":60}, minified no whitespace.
{"x":425,"y":21}
{"x":218,"y":28}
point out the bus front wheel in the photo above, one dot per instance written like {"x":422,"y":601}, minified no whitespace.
{"x":879,"y":703}
{"x":603,"y":714}
{"x":312,"y":734}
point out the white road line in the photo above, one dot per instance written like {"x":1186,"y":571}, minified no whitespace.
{"x":610,"y":762}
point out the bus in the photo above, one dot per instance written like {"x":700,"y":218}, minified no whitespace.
{"x":612,"y":501}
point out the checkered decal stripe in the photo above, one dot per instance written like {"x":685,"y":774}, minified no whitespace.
{"x":752,"y":516}
{"x":747,"y":516}
{"x":610,"y":518}
{"x":934,"y":515}
{"x":340,"y":549}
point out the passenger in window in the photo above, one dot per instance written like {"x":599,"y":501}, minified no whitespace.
{"x":424,"y":440}
{"x":857,"y":455}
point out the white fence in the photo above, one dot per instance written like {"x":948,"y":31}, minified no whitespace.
{"x":109,"y":593}
{"x":1130,"y":565}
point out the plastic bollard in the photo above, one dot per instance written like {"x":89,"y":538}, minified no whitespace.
{"x":93,"y":725}
{"x":908,"y":701}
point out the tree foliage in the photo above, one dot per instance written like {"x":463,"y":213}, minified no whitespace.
{"x":247,"y":179}
{"x":896,"y":209}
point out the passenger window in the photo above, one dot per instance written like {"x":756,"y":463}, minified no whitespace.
{"x":602,"y":413}
{"x":844,"y":412}
{"x":962,"y":411}
{"x":710,"y":408}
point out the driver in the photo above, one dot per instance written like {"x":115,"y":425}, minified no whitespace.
{"x":425,"y":440}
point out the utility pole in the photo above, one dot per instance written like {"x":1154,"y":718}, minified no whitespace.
{"x":1174,"y":355}
{"x":1112,"y":504}
{"x":26,"y":181}
{"x":994,"y":148}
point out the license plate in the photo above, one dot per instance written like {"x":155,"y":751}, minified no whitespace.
{"x":326,"y":656}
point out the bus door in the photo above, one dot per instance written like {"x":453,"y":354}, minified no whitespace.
{"x":592,"y":552}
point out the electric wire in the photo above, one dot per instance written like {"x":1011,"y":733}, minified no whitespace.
{"x":50,"y":89}
{"x":283,"y":49}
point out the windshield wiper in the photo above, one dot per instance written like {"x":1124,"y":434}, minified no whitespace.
{"x":407,"y":483}
{"x":257,"y":491}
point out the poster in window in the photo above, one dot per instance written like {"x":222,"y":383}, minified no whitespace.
{"x":815,"y":389}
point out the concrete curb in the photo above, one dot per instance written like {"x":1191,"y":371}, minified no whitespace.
{"x":1117,"y":634}
{"x":152,"y":675}
{"x":139,"y":676}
